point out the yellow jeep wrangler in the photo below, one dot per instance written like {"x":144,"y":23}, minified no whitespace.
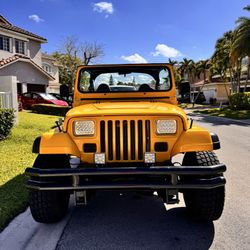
{"x":121,"y":134}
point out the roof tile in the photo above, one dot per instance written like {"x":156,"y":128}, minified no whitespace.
{"x":7,"y":25}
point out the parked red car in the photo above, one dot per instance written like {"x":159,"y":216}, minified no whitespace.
{"x":30,"y":98}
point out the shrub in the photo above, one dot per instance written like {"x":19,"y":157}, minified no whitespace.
{"x":50,"y":109}
{"x":240,"y":101}
{"x":6,"y":122}
{"x":212,"y":101}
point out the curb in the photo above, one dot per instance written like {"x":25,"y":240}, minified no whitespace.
{"x":24,"y":233}
{"x":244,"y":121}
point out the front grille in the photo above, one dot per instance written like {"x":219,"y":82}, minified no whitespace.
{"x":125,"y":139}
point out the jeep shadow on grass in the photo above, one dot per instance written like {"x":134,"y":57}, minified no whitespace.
{"x":121,"y":134}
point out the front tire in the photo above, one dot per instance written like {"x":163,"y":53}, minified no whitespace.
{"x":49,"y":206}
{"x":203,"y":204}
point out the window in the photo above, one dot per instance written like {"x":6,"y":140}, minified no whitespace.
{"x":20,"y":46}
{"x":28,"y":95}
{"x":47,"y":68}
{"x":132,"y":79}
{"x":5,"y":43}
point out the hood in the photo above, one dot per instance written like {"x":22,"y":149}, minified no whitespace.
{"x":126,"y":108}
{"x":59,"y":102}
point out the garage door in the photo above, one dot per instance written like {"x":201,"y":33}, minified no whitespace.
{"x":209,"y":93}
{"x":36,"y":88}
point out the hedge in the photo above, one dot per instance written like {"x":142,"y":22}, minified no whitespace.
{"x":240,"y":101}
{"x":50,"y":109}
{"x":6,"y":122}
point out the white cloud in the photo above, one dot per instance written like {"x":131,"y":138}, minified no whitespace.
{"x":104,"y":7}
{"x":166,"y":51}
{"x":36,"y":18}
{"x":135,"y":58}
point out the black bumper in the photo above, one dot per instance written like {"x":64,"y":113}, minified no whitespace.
{"x":163,"y":177}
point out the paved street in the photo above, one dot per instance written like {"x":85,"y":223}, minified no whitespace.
{"x":139,"y":222}
{"x":131,"y":221}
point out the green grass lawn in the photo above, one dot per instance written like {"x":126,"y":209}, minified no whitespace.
{"x":15,"y":155}
{"x":226,"y":112}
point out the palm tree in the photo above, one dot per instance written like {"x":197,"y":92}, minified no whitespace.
{"x":184,"y":68}
{"x":203,"y":66}
{"x":224,"y":60}
{"x":172,"y":62}
{"x":241,"y":45}
{"x":185,"y":71}
{"x":177,"y":75}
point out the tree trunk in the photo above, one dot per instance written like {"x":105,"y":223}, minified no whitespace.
{"x":248,"y":73}
{"x":204,"y":81}
{"x":225,"y":81}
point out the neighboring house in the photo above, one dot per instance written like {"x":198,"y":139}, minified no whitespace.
{"x":217,"y":91}
{"x":21,"y":57}
{"x":49,"y":64}
{"x":216,"y":88}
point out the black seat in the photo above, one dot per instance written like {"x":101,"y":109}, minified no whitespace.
{"x":103,"y":88}
{"x":145,"y":88}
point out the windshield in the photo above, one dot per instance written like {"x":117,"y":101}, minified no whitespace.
{"x":124,"y":80}
{"x":48,"y":97}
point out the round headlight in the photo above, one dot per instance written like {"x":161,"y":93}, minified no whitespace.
{"x":84,"y":127}
{"x":166,"y":127}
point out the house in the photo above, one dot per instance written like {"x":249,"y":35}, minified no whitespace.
{"x":50,"y":65}
{"x":214,"y":91}
{"x":21,"y":58}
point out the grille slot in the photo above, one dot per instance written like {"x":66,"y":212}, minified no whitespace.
{"x":110,"y":140}
{"x":125,"y":139}
{"x":102,"y":136}
{"x":117,"y":139}
{"x":132,"y":139}
{"x":140,"y":140}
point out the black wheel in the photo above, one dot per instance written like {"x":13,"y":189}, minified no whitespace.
{"x":203,"y":204}
{"x":49,"y":206}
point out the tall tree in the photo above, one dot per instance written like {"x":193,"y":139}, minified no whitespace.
{"x":72,"y":54}
{"x":185,"y":71}
{"x":111,"y":80}
{"x":90,"y":52}
{"x":224,"y":60}
{"x":241,"y":45}
{"x":185,"y":68}
{"x":203,"y":67}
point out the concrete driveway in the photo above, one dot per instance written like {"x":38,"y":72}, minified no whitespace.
{"x":132,"y":221}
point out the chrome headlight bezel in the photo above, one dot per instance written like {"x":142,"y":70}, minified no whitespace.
{"x":165,"y":127}
{"x":87,"y":128}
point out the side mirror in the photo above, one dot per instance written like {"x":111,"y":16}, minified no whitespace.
{"x":64,"y":90}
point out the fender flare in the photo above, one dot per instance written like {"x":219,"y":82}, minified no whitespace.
{"x":55,"y":143}
{"x":196,"y":139}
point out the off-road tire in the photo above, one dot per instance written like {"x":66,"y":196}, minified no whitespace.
{"x":49,"y":206}
{"x":204,"y":204}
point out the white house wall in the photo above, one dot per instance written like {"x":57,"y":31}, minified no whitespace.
{"x":209,"y":93}
{"x":35,"y":53}
{"x":8,"y":84}
{"x":5,"y":54}
{"x":25,"y":73}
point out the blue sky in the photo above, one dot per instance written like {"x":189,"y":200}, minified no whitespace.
{"x":130,"y":30}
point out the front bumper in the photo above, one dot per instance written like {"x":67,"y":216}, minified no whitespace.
{"x":162,"y":177}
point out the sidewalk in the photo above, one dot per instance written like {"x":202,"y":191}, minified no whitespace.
{"x":189,"y":112}
{"x":25,"y":233}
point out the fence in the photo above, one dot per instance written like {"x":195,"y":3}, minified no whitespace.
{"x":6,"y":100}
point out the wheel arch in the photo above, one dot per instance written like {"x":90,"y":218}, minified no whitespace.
{"x":196,"y":139}
{"x":55,"y":143}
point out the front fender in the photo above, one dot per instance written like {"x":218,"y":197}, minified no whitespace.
{"x":194,"y":139}
{"x":55,"y":143}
